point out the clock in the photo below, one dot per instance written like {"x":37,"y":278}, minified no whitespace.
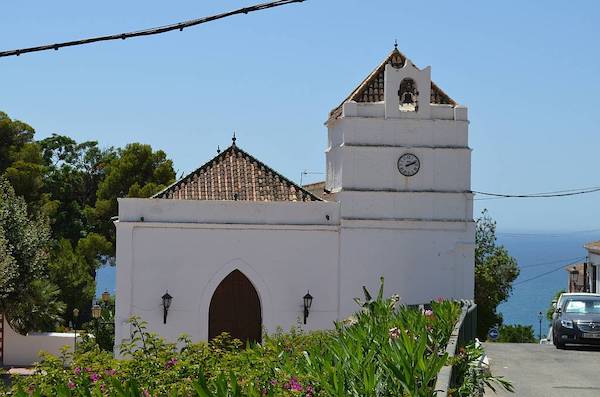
{"x":408,"y":164}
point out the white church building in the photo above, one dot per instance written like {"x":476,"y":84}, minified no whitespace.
{"x":237,"y":245}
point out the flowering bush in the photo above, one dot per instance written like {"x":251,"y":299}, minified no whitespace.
{"x":382,"y":350}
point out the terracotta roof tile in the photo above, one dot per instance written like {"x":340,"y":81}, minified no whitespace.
{"x":236,"y":175}
{"x":371,"y":88}
{"x":318,"y":189}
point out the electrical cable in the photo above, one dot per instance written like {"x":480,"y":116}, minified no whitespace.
{"x":558,"y":193}
{"x":151,"y":31}
{"x":544,"y":274}
{"x":552,"y":262}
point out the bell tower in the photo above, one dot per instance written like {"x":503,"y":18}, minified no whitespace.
{"x":399,"y":162}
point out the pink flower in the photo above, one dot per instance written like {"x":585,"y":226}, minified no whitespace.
{"x":71,"y":385}
{"x":110,"y":372}
{"x":294,"y":385}
{"x":77,"y":370}
{"x":147,"y":393}
{"x":87,"y":369}
{"x":428,"y":313}
{"x":94,"y":377}
{"x":440,"y":299}
{"x":171,"y":362}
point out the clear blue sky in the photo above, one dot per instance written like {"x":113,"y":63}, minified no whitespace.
{"x":528,"y":71}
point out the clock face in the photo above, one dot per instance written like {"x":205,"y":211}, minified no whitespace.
{"x":408,"y":164}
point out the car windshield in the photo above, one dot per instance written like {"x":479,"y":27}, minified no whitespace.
{"x":582,"y":306}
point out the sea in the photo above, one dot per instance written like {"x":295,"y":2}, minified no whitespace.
{"x":541,"y":257}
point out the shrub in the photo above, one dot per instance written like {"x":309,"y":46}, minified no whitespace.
{"x":516,"y":334}
{"x":382,"y":350}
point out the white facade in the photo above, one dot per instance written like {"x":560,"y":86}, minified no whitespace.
{"x":416,"y":231}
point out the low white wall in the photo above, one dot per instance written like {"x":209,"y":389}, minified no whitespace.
{"x":24,"y":350}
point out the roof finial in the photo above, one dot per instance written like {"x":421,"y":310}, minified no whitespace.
{"x":233,"y":139}
{"x":395,"y":44}
{"x":218,"y":149}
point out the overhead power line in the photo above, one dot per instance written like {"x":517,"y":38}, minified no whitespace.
{"x":558,"y":193}
{"x":548,"y":235}
{"x":579,"y":258}
{"x":151,"y":31}
{"x":544,"y":274}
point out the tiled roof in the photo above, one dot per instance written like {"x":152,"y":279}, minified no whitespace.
{"x":318,"y":189}
{"x":236,"y":175}
{"x":371,"y":88}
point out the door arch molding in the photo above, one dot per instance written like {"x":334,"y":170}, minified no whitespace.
{"x":264,"y":294}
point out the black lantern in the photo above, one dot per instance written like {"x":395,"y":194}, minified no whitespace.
{"x":166,"y":298}
{"x":307,"y":303}
{"x":105,"y":296}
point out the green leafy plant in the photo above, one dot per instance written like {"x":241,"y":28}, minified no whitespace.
{"x":472,"y":377}
{"x":384,"y":349}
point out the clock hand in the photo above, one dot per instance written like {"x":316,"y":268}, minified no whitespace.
{"x":409,"y":164}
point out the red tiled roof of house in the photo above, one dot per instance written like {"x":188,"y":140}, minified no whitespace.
{"x":236,"y":175}
{"x":371,"y":88}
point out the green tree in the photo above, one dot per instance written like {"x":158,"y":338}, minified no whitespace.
{"x":516,"y":334}
{"x":137,"y":171}
{"x":70,"y":270}
{"x":21,"y":161}
{"x":74,"y":172}
{"x":551,"y":307}
{"x":27,"y":297}
{"x":495,"y":271}
{"x":13,"y":136}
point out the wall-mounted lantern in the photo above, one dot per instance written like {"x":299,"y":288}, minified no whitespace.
{"x":96,"y":311}
{"x":166,"y":299}
{"x":307,"y":303}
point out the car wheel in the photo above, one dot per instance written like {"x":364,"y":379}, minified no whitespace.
{"x":559,"y":345}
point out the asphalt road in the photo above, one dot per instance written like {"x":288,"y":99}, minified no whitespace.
{"x":544,"y":371}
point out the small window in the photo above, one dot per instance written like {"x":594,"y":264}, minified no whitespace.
{"x":408,"y":96}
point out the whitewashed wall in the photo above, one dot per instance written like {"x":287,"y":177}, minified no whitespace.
{"x":284,"y":249}
{"x":24,"y":350}
{"x":419,"y":260}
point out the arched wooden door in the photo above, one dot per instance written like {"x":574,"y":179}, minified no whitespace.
{"x":235,"y":308}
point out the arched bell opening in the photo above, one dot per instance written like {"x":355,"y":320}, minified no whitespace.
{"x":408,"y":95}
